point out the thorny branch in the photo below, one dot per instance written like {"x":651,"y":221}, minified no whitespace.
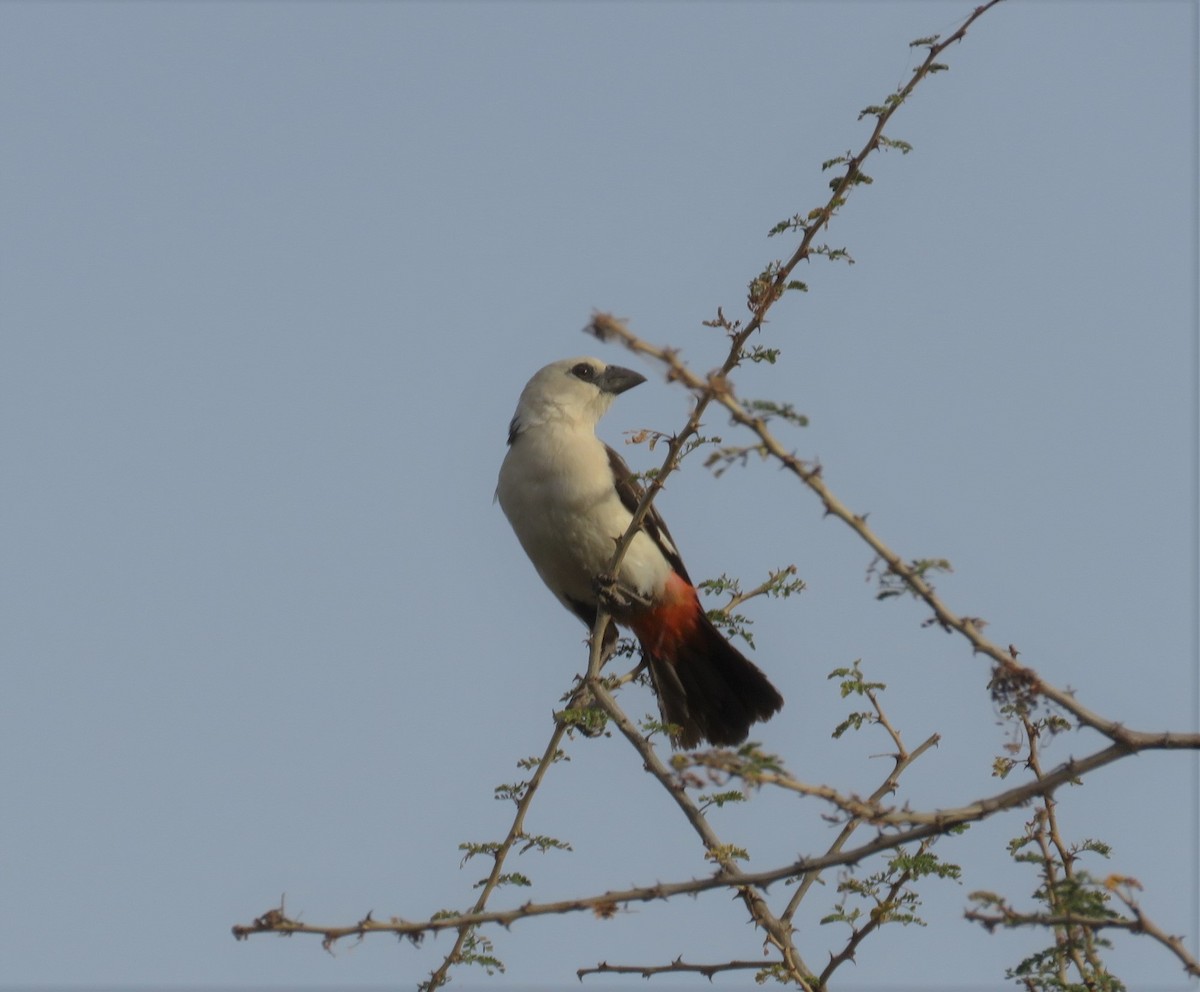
{"x":678,"y":965}
{"x":873,"y":923}
{"x":602,"y":325}
{"x":932,"y":824}
{"x":779,"y":934}
{"x":1138,"y":923}
{"x":439,"y":976}
{"x":1021,"y":677}
{"x":762,"y":299}
{"x":894,"y":826}
{"x":1077,"y":904}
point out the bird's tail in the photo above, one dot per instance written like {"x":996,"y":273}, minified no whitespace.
{"x":705,"y":686}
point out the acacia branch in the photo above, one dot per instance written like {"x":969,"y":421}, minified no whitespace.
{"x":874,"y":921}
{"x":678,"y":965}
{"x":861,"y":811}
{"x":1049,"y":840}
{"x":896,"y":827}
{"x":866,"y":810}
{"x":887,"y":788}
{"x":438,"y":977}
{"x":969,"y":627}
{"x":603,"y":325}
{"x":765,"y":588}
{"x":853,"y":175}
{"x":1076,"y":906}
{"x":779,"y":933}
{"x":929,"y":825}
{"x":1140,"y":923}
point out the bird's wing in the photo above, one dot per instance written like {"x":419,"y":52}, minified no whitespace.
{"x":631,"y":495}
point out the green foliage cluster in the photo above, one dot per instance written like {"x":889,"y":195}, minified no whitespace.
{"x":853,"y":683}
{"x":888,"y":895}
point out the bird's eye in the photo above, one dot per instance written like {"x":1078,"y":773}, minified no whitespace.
{"x":584,"y":371}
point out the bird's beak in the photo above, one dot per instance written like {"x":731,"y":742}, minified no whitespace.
{"x":615,"y":379}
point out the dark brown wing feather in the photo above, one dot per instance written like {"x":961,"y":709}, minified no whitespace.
{"x":631,"y":495}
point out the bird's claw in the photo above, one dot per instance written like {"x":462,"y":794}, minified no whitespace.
{"x":617,"y":599}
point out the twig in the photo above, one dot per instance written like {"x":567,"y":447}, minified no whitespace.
{"x":779,"y":933}
{"x":888,"y":786}
{"x":813,"y":478}
{"x":874,"y":921}
{"x":438,"y":977}
{"x":769,"y":585}
{"x":603,"y":325}
{"x":940,"y":822}
{"x":1140,"y":923}
{"x":678,"y":965}
{"x":863,"y":810}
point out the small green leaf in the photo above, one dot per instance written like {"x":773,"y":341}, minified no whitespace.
{"x":760,"y":354}
{"x":727,"y":852}
{"x":768,"y":410}
{"x":719,"y":799}
{"x":902,"y":146}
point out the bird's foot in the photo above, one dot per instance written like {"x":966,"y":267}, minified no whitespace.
{"x":617,"y":599}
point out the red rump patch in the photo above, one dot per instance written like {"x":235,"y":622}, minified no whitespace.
{"x":669,"y":622}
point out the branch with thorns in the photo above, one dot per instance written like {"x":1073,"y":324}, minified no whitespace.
{"x":895,"y":826}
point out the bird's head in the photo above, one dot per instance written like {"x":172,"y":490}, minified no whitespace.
{"x":574,"y":391}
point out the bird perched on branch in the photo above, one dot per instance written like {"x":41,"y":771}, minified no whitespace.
{"x":570,"y":498}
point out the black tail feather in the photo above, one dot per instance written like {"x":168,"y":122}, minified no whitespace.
{"x":710,"y":691}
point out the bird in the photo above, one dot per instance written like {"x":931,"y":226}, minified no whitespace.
{"x":569,"y":498}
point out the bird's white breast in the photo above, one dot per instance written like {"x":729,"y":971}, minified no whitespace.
{"x":556,"y":488}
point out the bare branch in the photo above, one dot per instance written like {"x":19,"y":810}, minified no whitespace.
{"x":874,"y":921}
{"x":932,"y":824}
{"x":893,"y":826}
{"x":678,"y":965}
{"x":516,"y":831}
{"x":779,"y":933}
{"x":968,"y":627}
{"x":1138,"y":924}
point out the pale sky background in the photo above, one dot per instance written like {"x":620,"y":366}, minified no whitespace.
{"x":273,"y":275}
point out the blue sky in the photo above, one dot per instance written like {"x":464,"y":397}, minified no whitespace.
{"x":273,"y":275}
